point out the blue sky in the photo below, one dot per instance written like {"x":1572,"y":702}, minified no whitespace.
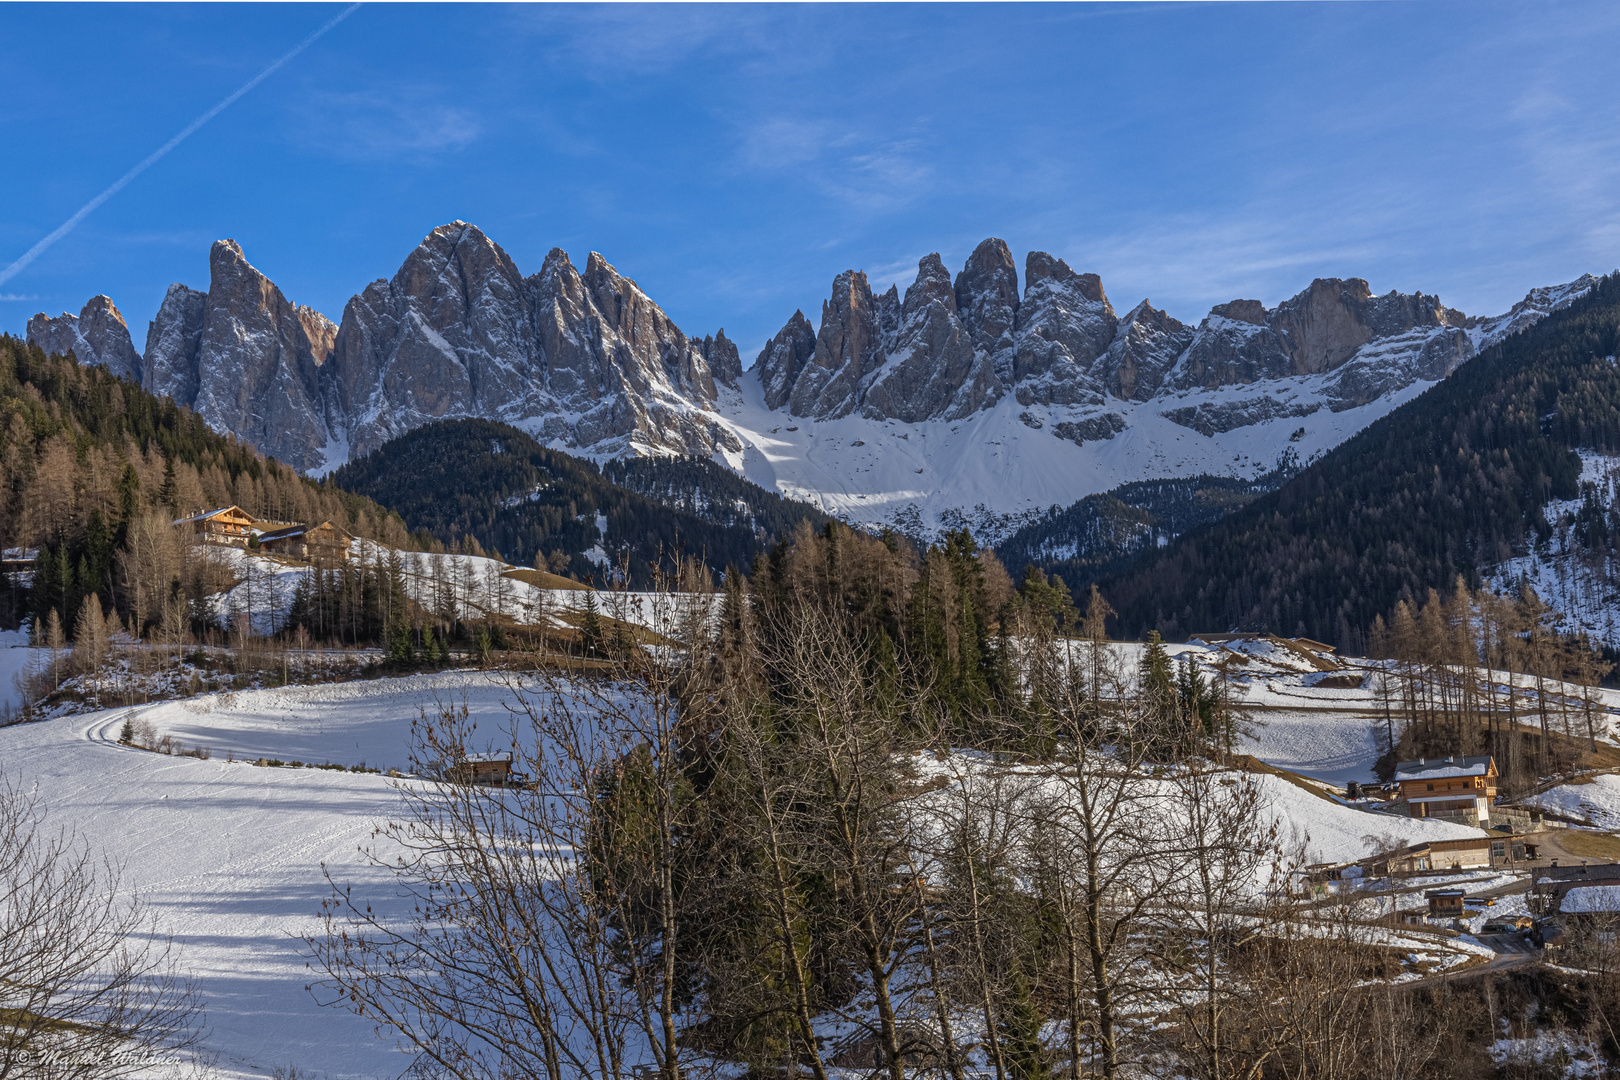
{"x":733,"y":159}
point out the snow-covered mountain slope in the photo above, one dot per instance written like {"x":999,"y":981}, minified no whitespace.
{"x":1003,"y":465}
{"x":1576,"y":567}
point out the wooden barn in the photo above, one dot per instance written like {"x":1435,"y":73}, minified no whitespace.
{"x":321,"y":545}
{"x":229,"y":525}
{"x":494,"y":769}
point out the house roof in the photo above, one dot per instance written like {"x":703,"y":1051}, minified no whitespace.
{"x":1443,"y":768}
{"x":18,"y":554}
{"x":212,"y":514}
{"x":1591,"y":899}
{"x":497,"y":756}
{"x":299,"y":530}
{"x":1600,"y":871}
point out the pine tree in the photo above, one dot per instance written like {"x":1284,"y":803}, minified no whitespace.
{"x":169,"y":493}
{"x":129,"y":495}
{"x":1155,"y":684}
{"x":590,"y":630}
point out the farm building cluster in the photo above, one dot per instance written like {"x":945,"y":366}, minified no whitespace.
{"x":320,"y":544}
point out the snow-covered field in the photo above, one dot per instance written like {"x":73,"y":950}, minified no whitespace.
{"x":15,"y":657}
{"x":475,"y":586}
{"x":229,"y":854}
{"x":1597,"y":802}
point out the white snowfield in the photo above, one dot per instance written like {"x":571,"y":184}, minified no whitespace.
{"x":993,"y":470}
{"x":473,"y":585}
{"x":229,"y":854}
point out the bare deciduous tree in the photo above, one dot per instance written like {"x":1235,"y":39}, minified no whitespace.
{"x":87,"y":986}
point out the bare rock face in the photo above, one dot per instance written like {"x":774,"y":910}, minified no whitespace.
{"x":1323,"y":326}
{"x":1064,"y":324}
{"x":245,"y":359}
{"x":173,"y":338}
{"x":260,"y":358}
{"x":933,"y":355}
{"x":783,"y":358}
{"x":987,"y":299}
{"x":725,"y":363}
{"x":849,"y":345}
{"x":1234,"y":345}
{"x":450,"y":335}
{"x":97,"y":335}
{"x":1147,"y":343}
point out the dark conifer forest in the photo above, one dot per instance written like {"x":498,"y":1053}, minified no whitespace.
{"x":491,"y":482}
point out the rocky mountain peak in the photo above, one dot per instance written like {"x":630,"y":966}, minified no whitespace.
{"x":932,"y":287}
{"x":784,"y":357}
{"x":259,"y":359}
{"x":1145,"y":348}
{"x":987,"y":296}
{"x":1244,"y":311}
{"x":97,"y":335}
{"x":849,"y":344}
{"x":173,"y":338}
{"x":1039,"y":268}
{"x":724,"y":361}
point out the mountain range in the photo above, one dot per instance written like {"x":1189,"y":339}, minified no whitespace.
{"x":964,"y":401}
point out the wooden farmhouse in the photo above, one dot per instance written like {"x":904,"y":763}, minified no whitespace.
{"x":1456,"y":787}
{"x":322,"y":545}
{"x":229,"y":525}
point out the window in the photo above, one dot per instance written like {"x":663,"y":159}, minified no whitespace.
{"x":1431,"y":787}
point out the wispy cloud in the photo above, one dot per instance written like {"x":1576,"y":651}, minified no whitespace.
{"x":371,"y":125}
{"x":19,"y":298}
{"x":610,"y":42}
{"x":858,"y":169}
{"x":1572,"y":150}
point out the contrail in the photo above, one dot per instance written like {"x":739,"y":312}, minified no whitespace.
{"x":84,"y":211}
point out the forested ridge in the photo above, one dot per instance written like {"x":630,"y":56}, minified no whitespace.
{"x":1449,"y":484}
{"x":496,"y":484}
{"x":1102,"y":534}
{"x":712,"y":492}
{"x":85,"y":455}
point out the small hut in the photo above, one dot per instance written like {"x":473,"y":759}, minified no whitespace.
{"x":493,"y":769}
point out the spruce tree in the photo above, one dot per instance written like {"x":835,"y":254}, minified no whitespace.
{"x":590,"y":630}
